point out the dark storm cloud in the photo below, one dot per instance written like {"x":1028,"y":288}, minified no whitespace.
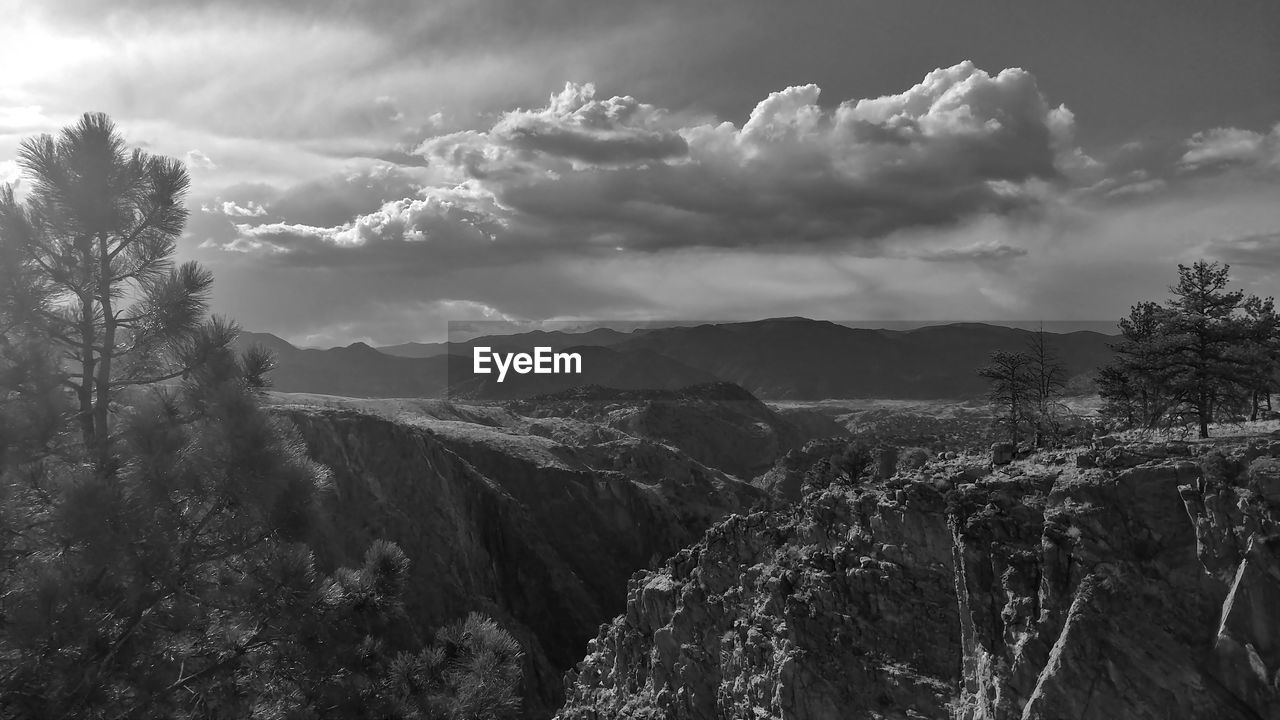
{"x":1259,"y":250}
{"x":1147,"y":170}
{"x":335,"y":200}
{"x":981,"y":252}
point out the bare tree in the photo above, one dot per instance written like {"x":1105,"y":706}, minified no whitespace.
{"x":1048,"y":380}
{"x":1011,"y":390}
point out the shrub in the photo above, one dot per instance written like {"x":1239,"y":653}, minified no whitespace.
{"x":914,"y":458}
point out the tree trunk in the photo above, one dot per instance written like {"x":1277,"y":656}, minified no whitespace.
{"x":84,"y":393}
{"x":102,"y":403}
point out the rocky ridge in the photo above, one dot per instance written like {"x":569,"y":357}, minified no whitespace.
{"x":1136,"y":581}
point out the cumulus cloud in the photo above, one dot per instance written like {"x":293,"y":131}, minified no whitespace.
{"x":577,"y":126}
{"x":447,"y":223}
{"x":612,"y":207}
{"x":589,"y":175}
{"x":1233,"y":147}
{"x":260,"y":217}
{"x":231,"y":209}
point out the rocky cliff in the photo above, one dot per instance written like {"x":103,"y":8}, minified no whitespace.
{"x":1138,"y":581}
{"x":539,"y":534}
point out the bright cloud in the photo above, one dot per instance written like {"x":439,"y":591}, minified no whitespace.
{"x":589,"y":175}
{"x":1233,"y":146}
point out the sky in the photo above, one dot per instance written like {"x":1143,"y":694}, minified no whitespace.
{"x":371,"y":171}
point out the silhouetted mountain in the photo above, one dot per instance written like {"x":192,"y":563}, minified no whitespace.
{"x":799,"y":359}
{"x":275,"y":344}
{"x":358,"y":370}
{"x":554,"y":339}
{"x":353,"y":371}
{"x":776,"y":359}
{"x":634,"y":369}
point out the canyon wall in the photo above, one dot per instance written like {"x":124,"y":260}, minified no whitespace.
{"x":1136,"y":581}
{"x":540,"y":535}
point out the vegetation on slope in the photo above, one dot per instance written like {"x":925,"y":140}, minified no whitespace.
{"x":152,"y":515}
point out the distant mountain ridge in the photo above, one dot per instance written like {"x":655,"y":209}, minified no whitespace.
{"x":554,"y":339}
{"x":774,"y":359}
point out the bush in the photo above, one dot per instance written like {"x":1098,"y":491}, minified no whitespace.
{"x":914,"y":458}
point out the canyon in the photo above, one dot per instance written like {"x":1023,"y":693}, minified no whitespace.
{"x":698,"y":554}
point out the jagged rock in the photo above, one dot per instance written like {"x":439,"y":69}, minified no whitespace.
{"x":817,"y":465}
{"x":820,"y":616}
{"x":1049,"y":593}
{"x":1246,"y":652}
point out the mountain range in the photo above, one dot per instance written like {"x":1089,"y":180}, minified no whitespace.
{"x":774,"y":359}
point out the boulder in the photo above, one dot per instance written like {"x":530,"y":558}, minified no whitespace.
{"x":1264,"y":478}
{"x":1002,"y":453}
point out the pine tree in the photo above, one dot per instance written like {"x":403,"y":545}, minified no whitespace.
{"x":1263,"y":347}
{"x":1208,"y":351}
{"x":153,"y":515}
{"x":1205,"y":339}
{"x":1134,"y":386}
{"x":100,"y":225}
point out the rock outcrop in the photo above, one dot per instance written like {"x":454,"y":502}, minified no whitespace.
{"x":1143,"y":583}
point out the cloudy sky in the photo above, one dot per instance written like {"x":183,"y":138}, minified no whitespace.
{"x":368,"y":171}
